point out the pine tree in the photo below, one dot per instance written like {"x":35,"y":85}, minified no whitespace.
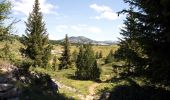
{"x":100,"y":54}
{"x":86,"y":64}
{"x":74,"y":56}
{"x":36,"y":39}
{"x":65,"y":60}
{"x":110,"y":57}
{"x":54,"y":63}
{"x":97,"y":55}
{"x":129,"y":50}
{"x":95,"y":71}
{"x":80,"y":62}
{"x":152,"y":36}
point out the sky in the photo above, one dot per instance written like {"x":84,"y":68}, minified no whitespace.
{"x":94,"y":19}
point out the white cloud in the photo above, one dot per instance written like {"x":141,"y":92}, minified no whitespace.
{"x":85,"y":29}
{"x":25,"y":7}
{"x":100,"y":8}
{"x":61,"y":28}
{"x":76,"y":28}
{"x":104,"y":12}
{"x":94,"y":30}
{"x":80,"y":28}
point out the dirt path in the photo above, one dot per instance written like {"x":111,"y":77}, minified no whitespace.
{"x":92,"y":88}
{"x":71,"y":89}
{"x":92,"y":95}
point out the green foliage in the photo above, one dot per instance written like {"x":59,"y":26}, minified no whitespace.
{"x":55,"y":42}
{"x":39,"y":86}
{"x":6,"y":28}
{"x":87,"y":67}
{"x":36,"y":38}
{"x":146,"y":39}
{"x":5,"y":8}
{"x":110,"y":57}
{"x":54,"y":63}
{"x":6,"y":53}
{"x":65,"y":60}
{"x":95,"y":71}
{"x":74,"y":56}
{"x":100,"y":54}
{"x":97,"y":55}
{"x":133,"y":91}
{"x":130,"y":50}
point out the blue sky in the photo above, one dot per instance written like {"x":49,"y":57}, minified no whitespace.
{"x":95,"y":19}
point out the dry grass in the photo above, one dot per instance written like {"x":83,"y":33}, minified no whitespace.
{"x":104,"y":49}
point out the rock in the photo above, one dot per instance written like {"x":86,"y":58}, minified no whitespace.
{"x":8,"y":91}
{"x":3,"y":80}
{"x":105,"y":96}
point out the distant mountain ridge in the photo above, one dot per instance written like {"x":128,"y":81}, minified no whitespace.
{"x":85,"y":40}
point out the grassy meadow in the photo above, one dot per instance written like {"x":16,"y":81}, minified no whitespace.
{"x":74,"y":89}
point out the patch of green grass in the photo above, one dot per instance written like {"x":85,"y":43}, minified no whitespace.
{"x":66,"y":77}
{"x":109,"y":86}
{"x":15,"y":46}
{"x":69,"y":94}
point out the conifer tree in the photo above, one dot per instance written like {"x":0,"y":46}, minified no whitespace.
{"x":129,"y":49}
{"x":86,"y":64}
{"x":97,"y":55}
{"x":54,"y":63}
{"x":80,"y":62}
{"x":100,"y":54}
{"x":36,"y":38}
{"x":65,"y":60}
{"x":110,"y":57}
{"x":152,"y":37}
{"x":95,"y":71}
{"x":74,"y":56}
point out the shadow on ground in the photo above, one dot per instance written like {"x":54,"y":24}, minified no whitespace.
{"x":133,"y":91}
{"x":39,"y":86}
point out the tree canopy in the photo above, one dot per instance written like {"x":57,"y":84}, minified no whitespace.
{"x":36,"y":38}
{"x":65,"y":59}
{"x":146,"y":38}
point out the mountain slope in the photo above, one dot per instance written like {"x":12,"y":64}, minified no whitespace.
{"x":85,"y":40}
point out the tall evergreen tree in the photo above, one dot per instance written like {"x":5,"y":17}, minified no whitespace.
{"x":80,"y":63}
{"x":54,"y":63}
{"x":152,"y":34}
{"x":86,"y":64}
{"x":74,"y":56}
{"x":110,"y":57}
{"x":100,"y":54}
{"x":129,"y":50}
{"x":95,"y":71}
{"x":97,"y":55}
{"x":36,"y":38}
{"x":65,"y":60}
